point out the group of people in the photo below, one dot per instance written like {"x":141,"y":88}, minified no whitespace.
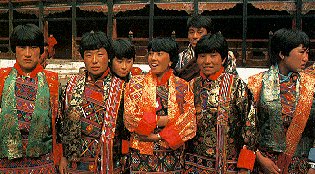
{"x":191,"y":113}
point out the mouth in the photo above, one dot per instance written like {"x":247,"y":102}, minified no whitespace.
{"x":154,"y":65}
{"x":95,"y":68}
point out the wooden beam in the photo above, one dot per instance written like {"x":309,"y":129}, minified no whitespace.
{"x":74,"y":28}
{"x":151,"y":20}
{"x":244,"y":33}
{"x":110,"y":6}
{"x":298,"y":14}
{"x":10,"y":6}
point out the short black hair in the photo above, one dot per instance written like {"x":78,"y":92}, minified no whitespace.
{"x":213,"y":43}
{"x":123,"y":48}
{"x":284,"y":41}
{"x":27,"y":35}
{"x":199,"y":21}
{"x":96,"y":40}
{"x":166,"y":44}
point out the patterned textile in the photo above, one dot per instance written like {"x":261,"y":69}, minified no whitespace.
{"x":285,"y":124}
{"x":90,"y":109}
{"x":36,"y":146}
{"x":172,"y":99}
{"x":202,"y":155}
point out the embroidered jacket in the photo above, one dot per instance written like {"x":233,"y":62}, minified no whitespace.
{"x":140,"y":112}
{"x":225,"y":124}
{"x":41,"y":142}
{"x":93,"y":125}
{"x":296,"y":139}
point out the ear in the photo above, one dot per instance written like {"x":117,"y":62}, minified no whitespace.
{"x":281,"y":55}
{"x":170,"y":63}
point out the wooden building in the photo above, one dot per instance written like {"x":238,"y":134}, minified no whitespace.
{"x":247,"y":24}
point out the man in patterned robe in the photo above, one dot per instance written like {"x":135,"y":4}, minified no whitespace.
{"x":93,"y":125}
{"x":29,"y":107}
{"x":225,"y":138}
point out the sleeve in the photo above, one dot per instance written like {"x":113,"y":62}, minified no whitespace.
{"x":184,"y":126}
{"x":247,"y":114}
{"x":71,"y":133}
{"x":136,"y":119}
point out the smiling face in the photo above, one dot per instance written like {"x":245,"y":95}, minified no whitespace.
{"x":96,"y":61}
{"x":295,"y":61}
{"x":122,"y":66}
{"x":194,"y":34}
{"x":27,"y":57}
{"x":159,"y":62}
{"x":209,"y":63}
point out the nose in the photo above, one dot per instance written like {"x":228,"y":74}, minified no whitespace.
{"x":94,"y":58}
{"x":305,"y":56}
{"x":28,"y":52}
{"x":207,"y":60}
{"x":123,"y":66}
{"x":153,"y":56}
{"x":196,"y":35}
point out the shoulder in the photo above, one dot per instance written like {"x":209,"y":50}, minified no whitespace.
{"x":5,"y":71}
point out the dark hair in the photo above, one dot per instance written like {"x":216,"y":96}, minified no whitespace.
{"x":123,"y":48}
{"x":213,"y":43}
{"x":27,"y":35}
{"x":199,"y":21}
{"x":96,"y":40}
{"x":284,"y":41}
{"x":166,"y":44}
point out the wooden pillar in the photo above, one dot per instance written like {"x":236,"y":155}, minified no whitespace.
{"x":41,"y":15}
{"x":74,"y":28}
{"x":45,"y":31}
{"x":151,"y":19}
{"x":244,"y":33}
{"x":110,"y":6}
{"x":114,"y":29}
{"x":10,"y":22}
{"x":298,"y":15}
{"x":196,"y":7}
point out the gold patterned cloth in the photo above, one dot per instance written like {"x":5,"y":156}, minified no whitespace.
{"x":140,"y":112}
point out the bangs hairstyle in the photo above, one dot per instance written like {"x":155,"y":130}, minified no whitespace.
{"x":284,"y":41}
{"x":94,"y":41}
{"x":27,"y":35}
{"x":211,"y":44}
{"x":198,"y":21}
{"x":124,"y":49}
{"x":168,"y":45}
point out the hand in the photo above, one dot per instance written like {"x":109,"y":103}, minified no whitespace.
{"x":267,"y":164}
{"x":63,"y":165}
{"x":151,"y":138}
{"x":162,"y":121}
{"x":243,"y":171}
{"x":311,"y":171}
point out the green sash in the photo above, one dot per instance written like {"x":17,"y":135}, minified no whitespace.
{"x":40,"y":138}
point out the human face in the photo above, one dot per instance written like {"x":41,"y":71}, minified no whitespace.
{"x":210,"y":63}
{"x":159,"y":62}
{"x":295,"y":61}
{"x":122,"y":66}
{"x":27,"y":57}
{"x":96,"y":62}
{"x":194,"y":34}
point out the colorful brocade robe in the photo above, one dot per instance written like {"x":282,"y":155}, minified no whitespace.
{"x":35,"y":149}
{"x":93,"y":129}
{"x":286,"y":117}
{"x":145,"y":101}
{"x":218,"y":141}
